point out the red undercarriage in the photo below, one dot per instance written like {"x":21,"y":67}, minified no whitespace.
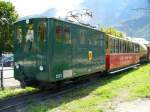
{"x":120,"y":60}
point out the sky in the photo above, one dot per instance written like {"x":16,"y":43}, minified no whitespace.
{"x":105,"y":12}
{"x":32,"y":7}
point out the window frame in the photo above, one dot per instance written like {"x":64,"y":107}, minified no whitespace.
{"x":42,"y":39}
{"x":58,"y":32}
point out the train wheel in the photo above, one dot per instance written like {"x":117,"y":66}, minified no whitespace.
{"x":23,"y":84}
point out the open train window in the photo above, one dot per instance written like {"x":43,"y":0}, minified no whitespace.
{"x":107,"y":42}
{"x":101,"y":40}
{"x":113,"y":46}
{"x":117,"y":45}
{"x":42,"y":31}
{"x":30,"y":33}
{"x":82,"y":38}
{"x":125,"y":47}
{"x":137,"y":48}
{"x":95,"y":39}
{"x":121,"y":46}
{"x":128,"y":47}
{"x":58,"y":33}
{"x":131,"y":50}
{"x":19,"y":34}
{"x":67,"y":35}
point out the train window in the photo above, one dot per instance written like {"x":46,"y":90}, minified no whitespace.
{"x":95,"y":40}
{"x":42,"y":31}
{"x":107,"y":43}
{"x":124,"y":47}
{"x":67,"y":36}
{"x":89,"y":41}
{"x":132,"y":47}
{"x":101,"y":40}
{"x":82,"y":38}
{"x":101,"y":43}
{"x":129,"y":44}
{"x":58,"y":33}
{"x":117,"y":45}
{"x":113,"y":45}
{"x":128,"y":47}
{"x":120,"y":46}
{"x":30,"y":33}
{"x":137,"y":48}
{"x":19,"y":34}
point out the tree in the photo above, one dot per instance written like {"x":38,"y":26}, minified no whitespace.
{"x":113,"y":31}
{"x":8,"y":15}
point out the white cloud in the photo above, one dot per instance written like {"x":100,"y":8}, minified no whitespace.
{"x":30,"y":7}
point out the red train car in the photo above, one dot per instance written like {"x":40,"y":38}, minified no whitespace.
{"x":120,"y":53}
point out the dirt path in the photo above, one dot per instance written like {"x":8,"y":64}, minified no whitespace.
{"x":140,"y":105}
{"x":121,"y":104}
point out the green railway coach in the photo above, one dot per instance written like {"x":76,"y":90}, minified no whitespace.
{"x":51,"y":50}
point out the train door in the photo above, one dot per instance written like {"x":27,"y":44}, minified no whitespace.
{"x":67,"y":49}
{"x":75,"y":44}
{"x":42,"y":30}
{"x":29,"y":49}
{"x":62,"y":55}
{"x":35,"y":48}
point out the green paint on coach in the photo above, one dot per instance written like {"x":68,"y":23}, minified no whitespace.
{"x":49,"y":50}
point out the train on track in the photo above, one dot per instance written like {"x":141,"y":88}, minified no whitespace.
{"x":50,"y":50}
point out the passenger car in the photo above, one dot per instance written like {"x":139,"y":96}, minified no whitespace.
{"x":49,"y":50}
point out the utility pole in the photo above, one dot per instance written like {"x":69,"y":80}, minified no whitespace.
{"x":5,"y":23}
{"x":1,"y":76}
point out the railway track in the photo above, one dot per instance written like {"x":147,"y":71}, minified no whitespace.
{"x":16,"y":104}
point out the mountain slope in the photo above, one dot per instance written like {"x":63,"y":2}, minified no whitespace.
{"x":139,"y":27}
{"x":118,"y":13}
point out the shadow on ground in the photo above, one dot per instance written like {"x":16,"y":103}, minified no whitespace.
{"x":76,"y":94}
